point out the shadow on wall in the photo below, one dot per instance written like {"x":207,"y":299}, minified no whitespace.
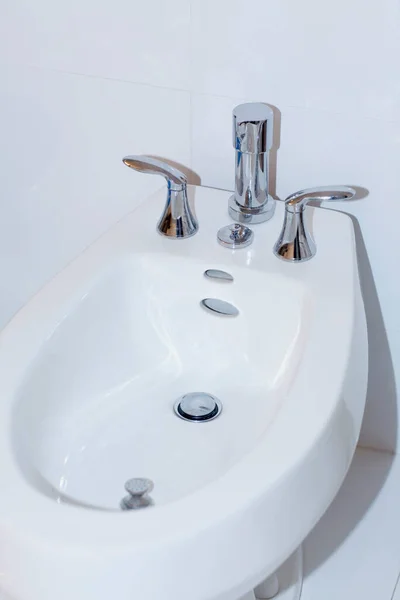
{"x":366,"y":477}
{"x":381,"y":403}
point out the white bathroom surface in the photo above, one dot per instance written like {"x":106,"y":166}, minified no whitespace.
{"x":354,"y":552}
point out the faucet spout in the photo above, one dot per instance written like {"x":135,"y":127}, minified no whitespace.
{"x":252,"y":140}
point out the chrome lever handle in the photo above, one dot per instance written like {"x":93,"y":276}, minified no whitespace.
{"x":298,"y":201}
{"x":152,"y":166}
{"x":177,"y":220}
{"x":295,"y":242}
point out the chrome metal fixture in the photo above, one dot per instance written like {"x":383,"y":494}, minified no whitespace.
{"x":295,"y":242}
{"x":235,"y":236}
{"x":218,"y":275}
{"x":198,"y":406}
{"x":138,"y":490}
{"x":252,"y":140}
{"x":177,"y":220}
{"x":219,"y":307}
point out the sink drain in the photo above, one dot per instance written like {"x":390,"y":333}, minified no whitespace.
{"x":198,"y":406}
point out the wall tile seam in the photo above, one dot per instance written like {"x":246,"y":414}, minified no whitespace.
{"x":91,"y":76}
{"x":309,"y":109}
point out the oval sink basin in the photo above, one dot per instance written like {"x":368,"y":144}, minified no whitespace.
{"x":104,"y":384}
{"x":91,"y":369}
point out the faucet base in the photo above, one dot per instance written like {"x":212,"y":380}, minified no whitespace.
{"x":242,"y":214}
{"x":177,"y":221}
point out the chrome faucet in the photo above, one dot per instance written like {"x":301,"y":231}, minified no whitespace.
{"x":177,"y":220}
{"x":295,"y":242}
{"x":252,"y":140}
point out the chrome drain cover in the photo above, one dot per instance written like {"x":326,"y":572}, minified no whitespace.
{"x":197,"y":406}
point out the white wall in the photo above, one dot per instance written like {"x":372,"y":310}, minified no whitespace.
{"x":83,"y":83}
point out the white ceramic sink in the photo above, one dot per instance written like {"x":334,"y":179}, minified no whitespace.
{"x":89,"y":373}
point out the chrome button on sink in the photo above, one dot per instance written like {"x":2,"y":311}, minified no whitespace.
{"x":235,"y":236}
{"x":218,"y":275}
{"x":219,"y":307}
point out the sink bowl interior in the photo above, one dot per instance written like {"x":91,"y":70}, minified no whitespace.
{"x":96,"y":407}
